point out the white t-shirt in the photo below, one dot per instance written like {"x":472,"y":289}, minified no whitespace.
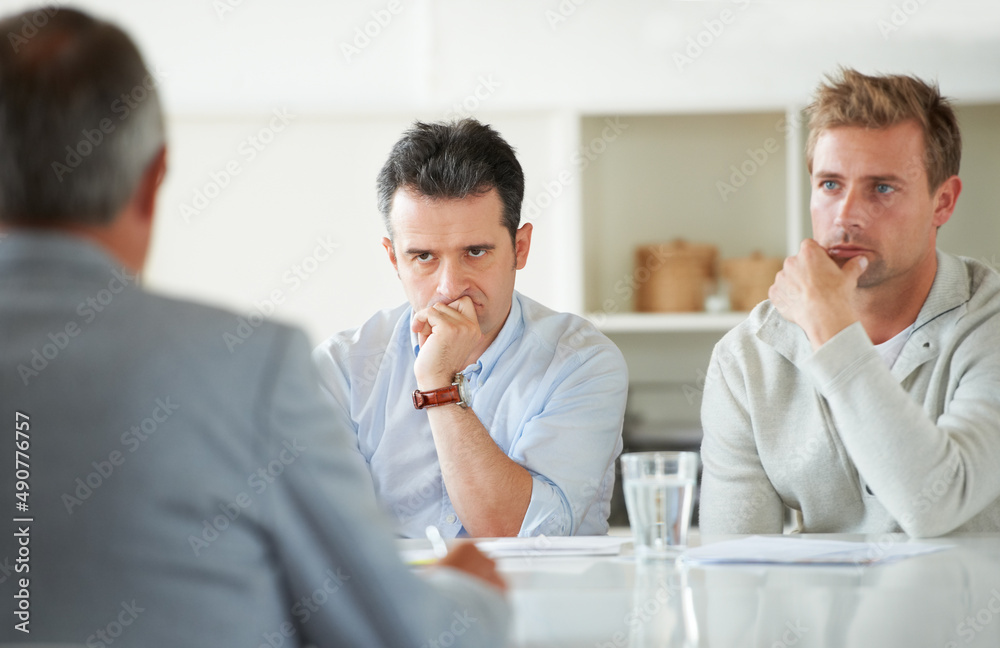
{"x":890,"y":349}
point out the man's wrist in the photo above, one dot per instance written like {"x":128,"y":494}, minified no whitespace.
{"x":438,"y":381}
{"x":456,"y":392}
{"x":825,"y":330}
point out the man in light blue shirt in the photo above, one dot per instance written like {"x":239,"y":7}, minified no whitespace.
{"x":476,"y":409}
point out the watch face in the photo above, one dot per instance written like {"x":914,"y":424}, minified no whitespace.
{"x":463,"y":388}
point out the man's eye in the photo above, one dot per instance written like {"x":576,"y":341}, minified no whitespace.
{"x":829,"y":185}
{"x":477,"y":253}
{"x":883,"y":188}
{"x":426,"y":256}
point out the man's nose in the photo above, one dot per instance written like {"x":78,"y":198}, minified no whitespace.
{"x":853,"y":211}
{"x":453,"y":280}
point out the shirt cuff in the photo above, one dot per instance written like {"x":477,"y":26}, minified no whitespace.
{"x":841,"y":358}
{"x":548,"y":511}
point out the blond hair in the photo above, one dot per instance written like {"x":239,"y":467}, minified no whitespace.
{"x":855,"y":99}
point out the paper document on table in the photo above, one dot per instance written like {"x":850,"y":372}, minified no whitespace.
{"x":803,"y":551}
{"x":553,"y":546}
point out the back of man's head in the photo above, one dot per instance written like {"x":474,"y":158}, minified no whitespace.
{"x":452,"y":161}
{"x":80,"y":119}
{"x":855,"y":99}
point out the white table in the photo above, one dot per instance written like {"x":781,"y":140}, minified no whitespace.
{"x":946,"y":599}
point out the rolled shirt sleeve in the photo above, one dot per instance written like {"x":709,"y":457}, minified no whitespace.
{"x":571,"y":446}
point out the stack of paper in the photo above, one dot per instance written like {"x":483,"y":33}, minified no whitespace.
{"x":553,"y":546}
{"x":796,"y":551}
{"x":531,"y":547}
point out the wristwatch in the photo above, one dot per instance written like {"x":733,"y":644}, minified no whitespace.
{"x":457,"y":393}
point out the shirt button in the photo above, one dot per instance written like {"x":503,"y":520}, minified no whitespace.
{"x":451,"y":519}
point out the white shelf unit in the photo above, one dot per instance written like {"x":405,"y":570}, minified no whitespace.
{"x":666,"y":322}
{"x":720,"y":178}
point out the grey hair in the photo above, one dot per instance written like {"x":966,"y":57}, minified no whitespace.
{"x":80,"y":119}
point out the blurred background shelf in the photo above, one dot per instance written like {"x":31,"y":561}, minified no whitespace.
{"x":666,"y":322}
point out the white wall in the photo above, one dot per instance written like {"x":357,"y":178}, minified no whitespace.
{"x":226,"y":65}
{"x":260,"y":239}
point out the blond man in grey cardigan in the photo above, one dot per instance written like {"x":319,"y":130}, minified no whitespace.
{"x":864,"y":395}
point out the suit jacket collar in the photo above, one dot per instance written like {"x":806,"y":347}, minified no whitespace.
{"x":38,"y":251}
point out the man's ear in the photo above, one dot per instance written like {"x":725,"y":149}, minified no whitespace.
{"x":129,"y":236}
{"x":387,"y":244}
{"x":149,"y":185}
{"x":522,"y":243}
{"x":945,"y":198}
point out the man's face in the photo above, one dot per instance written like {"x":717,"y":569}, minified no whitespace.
{"x":444,"y":249}
{"x":870,"y":196}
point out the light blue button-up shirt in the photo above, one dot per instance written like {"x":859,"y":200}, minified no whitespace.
{"x":550,"y":390}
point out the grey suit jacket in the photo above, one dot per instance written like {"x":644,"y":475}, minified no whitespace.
{"x":188,"y":485}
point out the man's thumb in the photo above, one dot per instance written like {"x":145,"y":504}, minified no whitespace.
{"x":856,"y":266}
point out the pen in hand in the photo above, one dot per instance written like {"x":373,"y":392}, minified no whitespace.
{"x":437,"y":542}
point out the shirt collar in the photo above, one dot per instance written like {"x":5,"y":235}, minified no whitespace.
{"x":949,"y":290}
{"x":413,"y":336}
{"x":510,"y":331}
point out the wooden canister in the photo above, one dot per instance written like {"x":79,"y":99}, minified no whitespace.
{"x":749,"y":279}
{"x":673,"y":277}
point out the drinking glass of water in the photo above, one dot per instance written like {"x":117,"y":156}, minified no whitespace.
{"x":659,"y":489}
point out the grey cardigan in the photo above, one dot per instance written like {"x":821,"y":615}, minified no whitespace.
{"x":847,"y":443}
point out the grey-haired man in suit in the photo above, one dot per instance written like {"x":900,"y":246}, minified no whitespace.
{"x":167,"y":492}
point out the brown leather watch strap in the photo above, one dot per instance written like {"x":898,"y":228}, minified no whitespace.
{"x":436,"y":397}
